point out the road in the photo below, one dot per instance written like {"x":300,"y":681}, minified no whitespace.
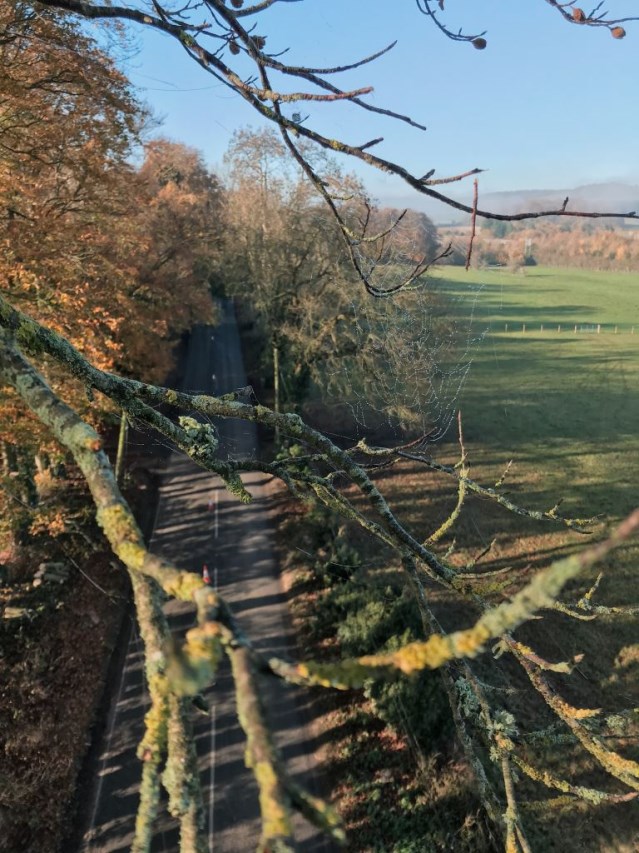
{"x":199,"y":523}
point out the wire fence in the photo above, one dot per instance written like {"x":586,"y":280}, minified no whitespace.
{"x":570,"y":328}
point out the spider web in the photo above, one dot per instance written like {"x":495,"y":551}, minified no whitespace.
{"x":413,"y":350}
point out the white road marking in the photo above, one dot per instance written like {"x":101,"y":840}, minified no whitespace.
{"x":105,"y":756}
{"x":212,"y":779}
{"x":135,"y":641}
{"x":217,"y":516}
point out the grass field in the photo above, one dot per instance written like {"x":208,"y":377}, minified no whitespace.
{"x":564,"y":408}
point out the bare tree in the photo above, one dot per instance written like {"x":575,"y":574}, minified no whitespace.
{"x":282,"y":255}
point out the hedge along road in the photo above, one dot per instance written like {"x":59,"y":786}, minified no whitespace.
{"x":199,"y":523}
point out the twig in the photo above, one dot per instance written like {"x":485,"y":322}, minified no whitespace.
{"x":473,"y":223}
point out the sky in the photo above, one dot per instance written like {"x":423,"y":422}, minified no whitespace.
{"x":545,"y":105}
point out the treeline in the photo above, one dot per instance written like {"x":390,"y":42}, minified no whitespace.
{"x":585,"y":245}
{"x":323,"y":343}
{"x":114,"y":256}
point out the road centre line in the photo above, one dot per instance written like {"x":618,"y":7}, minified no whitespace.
{"x":212,"y":779}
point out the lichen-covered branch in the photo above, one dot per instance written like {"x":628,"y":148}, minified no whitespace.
{"x":275,"y":805}
{"x":181,"y":778}
{"x":462,"y":488}
{"x":516,"y":841}
{"x":152,"y":748}
{"x":577,"y":524}
{"x":193,"y":665}
{"x":125,"y":537}
{"x":128,"y":393}
{"x":496,"y":622}
{"x":624,"y":769}
{"x":167,"y":727}
{"x":593,"y":796}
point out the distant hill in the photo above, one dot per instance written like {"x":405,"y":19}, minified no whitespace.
{"x":611,"y":197}
{"x":608,"y":198}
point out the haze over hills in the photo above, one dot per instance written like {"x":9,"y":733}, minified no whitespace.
{"x":610,"y":197}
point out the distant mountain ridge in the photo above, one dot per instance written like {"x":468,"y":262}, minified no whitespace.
{"x":611,"y":197}
{"x":608,"y":197}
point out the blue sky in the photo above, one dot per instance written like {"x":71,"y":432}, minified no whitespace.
{"x":545,"y":105}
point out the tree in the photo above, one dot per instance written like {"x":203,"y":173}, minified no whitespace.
{"x":69,"y":120}
{"x":498,"y":228}
{"x":89,"y":245}
{"x":412,"y":238}
{"x":173,"y":242}
{"x":480,"y":722}
{"x":283,"y":254}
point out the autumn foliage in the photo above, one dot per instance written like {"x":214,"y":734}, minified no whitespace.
{"x":113,"y":256}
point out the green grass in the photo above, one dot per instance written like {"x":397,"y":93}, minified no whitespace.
{"x":547,"y":295}
{"x":563,"y":406}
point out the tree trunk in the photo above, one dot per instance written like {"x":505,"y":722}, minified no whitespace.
{"x":42,"y":462}
{"x":276,"y":386}
{"x":8,"y":458}
{"x":26,"y":478}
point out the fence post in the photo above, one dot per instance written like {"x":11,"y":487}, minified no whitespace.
{"x":598,"y":328}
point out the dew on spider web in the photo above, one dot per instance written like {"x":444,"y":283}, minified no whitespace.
{"x":412,"y":351}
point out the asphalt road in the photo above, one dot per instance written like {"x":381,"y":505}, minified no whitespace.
{"x":199,"y":523}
